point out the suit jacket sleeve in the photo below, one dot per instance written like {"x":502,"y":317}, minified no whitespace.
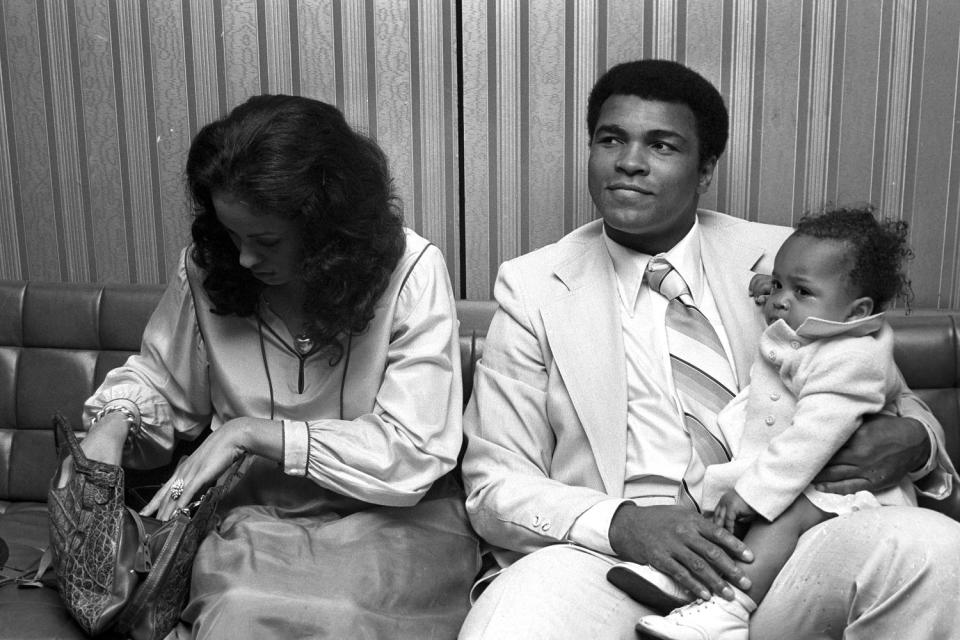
{"x":514,"y":498}
{"x":936,"y":478}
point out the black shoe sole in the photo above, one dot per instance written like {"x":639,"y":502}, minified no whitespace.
{"x":643,"y":591}
{"x":644,"y":635}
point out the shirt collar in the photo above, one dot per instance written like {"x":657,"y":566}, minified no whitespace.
{"x":629,"y":266}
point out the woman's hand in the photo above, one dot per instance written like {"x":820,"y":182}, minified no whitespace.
{"x":214,"y":456}
{"x":197,"y":471}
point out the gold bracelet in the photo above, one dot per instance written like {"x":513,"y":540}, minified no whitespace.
{"x":133,"y":422}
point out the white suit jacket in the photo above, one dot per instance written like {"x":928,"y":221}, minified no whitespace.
{"x":546,"y":424}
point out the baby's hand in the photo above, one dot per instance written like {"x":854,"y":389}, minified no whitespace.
{"x":760,"y":287}
{"x":730,"y":509}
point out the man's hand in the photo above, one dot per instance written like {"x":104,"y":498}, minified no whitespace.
{"x":877,"y":456}
{"x":731,"y":508}
{"x":689,"y":548}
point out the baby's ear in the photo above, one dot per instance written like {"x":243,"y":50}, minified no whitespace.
{"x":860,"y":308}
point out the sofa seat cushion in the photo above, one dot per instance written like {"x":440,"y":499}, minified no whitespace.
{"x":30,"y":612}
{"x":25,"y":529}
{"x":36,"y":613}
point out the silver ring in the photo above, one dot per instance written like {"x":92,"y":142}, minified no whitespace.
{"x":176,"y":489}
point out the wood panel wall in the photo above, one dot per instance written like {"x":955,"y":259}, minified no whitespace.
{"x":480,"y":105}
{"x":100,"y":99}
{"x":830,"y":102}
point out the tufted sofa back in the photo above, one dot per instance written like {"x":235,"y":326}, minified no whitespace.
{"x":57,"y":341}
{"x":927,"y":350}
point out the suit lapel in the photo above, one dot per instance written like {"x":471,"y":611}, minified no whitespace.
{"x":593,"y":369}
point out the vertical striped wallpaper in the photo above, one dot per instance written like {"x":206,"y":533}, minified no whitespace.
{"x":480,"y":105}
{"x":100,"y":99}
{"x":831,"y":101}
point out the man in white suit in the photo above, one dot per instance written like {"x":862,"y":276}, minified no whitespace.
{"x":577,"y":456}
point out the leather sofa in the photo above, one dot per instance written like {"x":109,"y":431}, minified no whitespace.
{"x":57,"y":341}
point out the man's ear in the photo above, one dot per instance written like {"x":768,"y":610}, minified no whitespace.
{"x":860,"y":308}
{"x":706,"y":174}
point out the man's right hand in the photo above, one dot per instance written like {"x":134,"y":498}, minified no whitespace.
{"x":695,"y":552}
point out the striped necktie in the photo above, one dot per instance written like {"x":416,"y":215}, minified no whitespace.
{"x":701,"y":371}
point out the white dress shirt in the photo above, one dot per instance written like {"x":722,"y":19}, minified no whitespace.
{"x":658,"y":447}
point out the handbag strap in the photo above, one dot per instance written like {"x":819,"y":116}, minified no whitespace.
{"x":66,"y":441}
{"x":29,"y":577}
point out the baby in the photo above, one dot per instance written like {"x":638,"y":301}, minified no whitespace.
{"x":825,"y":361}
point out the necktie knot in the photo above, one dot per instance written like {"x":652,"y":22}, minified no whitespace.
{"x":665,"y":280}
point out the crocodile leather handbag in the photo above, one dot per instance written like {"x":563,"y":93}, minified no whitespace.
{"x":118,"y":571}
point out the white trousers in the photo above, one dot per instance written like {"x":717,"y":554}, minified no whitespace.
{"x":887,"y":573}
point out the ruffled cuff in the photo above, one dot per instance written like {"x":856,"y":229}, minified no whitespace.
{"x":150,"y":408}
{"x":296,"y":447}
{"x":129,"y":410}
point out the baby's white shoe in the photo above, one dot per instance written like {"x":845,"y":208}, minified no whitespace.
{"x":713,"y":619}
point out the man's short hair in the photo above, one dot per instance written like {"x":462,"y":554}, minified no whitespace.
{"x":666,"y":81}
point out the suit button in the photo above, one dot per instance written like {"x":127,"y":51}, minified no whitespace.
{"x":770,"y":420}
{"x":795,"y":344}
{"x":546,"y":526}
{"x":536,"y":521}
{"x":774,"y":396}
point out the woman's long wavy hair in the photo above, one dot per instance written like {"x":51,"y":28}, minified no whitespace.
{"x":298,"y":158}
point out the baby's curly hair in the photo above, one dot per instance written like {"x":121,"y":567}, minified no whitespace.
{"x":880,"y":249}
{"x":298,"y":158}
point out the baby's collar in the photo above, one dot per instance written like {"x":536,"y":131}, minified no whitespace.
{"x":817,"y":328}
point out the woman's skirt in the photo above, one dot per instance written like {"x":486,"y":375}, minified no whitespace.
{"x":293,"y":560}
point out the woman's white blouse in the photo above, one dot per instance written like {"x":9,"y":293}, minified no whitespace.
{"x":380,"y":424}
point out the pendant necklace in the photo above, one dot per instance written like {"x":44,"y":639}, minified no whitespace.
{"x":303,"y":343}
{"x":302,"y":348}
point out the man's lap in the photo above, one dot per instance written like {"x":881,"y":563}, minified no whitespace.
{"x":560,"y":591}
{"x":883,"y":570}
{"x":892,"y":572}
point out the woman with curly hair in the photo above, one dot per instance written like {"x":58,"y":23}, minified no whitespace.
{"x":308,"y":329}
